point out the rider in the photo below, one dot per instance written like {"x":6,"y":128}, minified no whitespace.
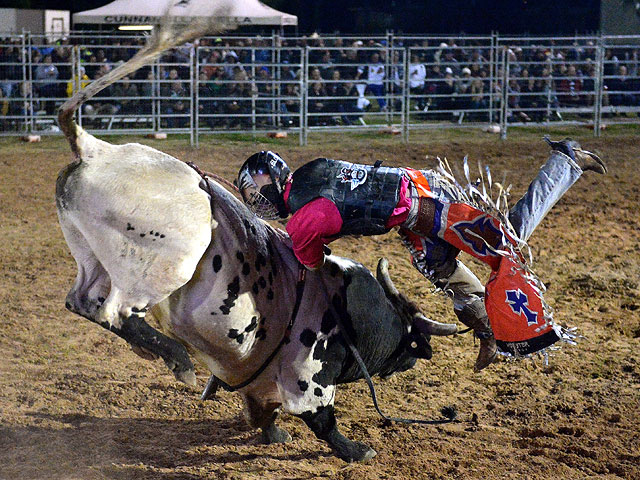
{"x":329,"y":199}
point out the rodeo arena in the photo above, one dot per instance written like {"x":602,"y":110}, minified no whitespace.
{"x":236,"y":249}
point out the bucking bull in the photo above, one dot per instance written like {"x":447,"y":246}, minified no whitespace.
{"x":149,"y":234}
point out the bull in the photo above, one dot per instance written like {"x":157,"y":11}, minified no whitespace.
{"x":149,"y":234}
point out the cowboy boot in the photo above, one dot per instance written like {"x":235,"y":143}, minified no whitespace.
{"x":584,"y":159}
{"x":474,"y":315}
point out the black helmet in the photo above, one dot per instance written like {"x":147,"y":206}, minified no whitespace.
{"x":261,"y":181}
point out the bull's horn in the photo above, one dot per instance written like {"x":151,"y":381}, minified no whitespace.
{"x":384,"y":279}
{"x":427,"y":326}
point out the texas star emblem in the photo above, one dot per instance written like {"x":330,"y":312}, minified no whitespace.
{"x":478,"y":234}
{"x":519,"y":303}
{"x":353,"y":174}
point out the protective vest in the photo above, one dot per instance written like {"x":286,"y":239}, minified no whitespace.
{"x":365,"y":195}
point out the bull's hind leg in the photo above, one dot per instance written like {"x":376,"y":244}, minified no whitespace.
{"x":262,"y":414}
{"x":92,"y":283}
{"x":94,"y":297}
{"x":323,"y":424}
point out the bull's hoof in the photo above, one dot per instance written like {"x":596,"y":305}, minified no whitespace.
{"x":357,"y":452}
{"x":274,"y":434}
{"x":186,"y":376}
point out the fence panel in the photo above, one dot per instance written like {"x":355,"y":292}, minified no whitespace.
{"x":354,"y":88}
{"x":313,"y":84}
{"x":621,"y":80}
{"x":248,"y":89}
{"x":451,"y":86}
{"x":15,"y":91}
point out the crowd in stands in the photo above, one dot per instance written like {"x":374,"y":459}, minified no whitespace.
{"x":240,"y":80}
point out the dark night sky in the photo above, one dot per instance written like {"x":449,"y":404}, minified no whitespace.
{"x":411,"y":16}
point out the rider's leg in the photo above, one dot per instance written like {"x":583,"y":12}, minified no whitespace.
{"x":563,"y":168}
{"x":436,"y":260}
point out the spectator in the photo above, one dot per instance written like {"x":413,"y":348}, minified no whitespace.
{"x":349,"y":105}
{"x":477,"y":59}
{"x":207,"y":105}
{"x":349,"y":70}
{"x":317,"y":104}
{"x":290,"y":106}
{"x":211,"y":63}
{"x":438,"y":56}
{"x":148,"y":92}
{"x":622,"y":91}
{"x":514,"y":113}
{"x":231,"y":61}
{"x":286,"y":74}
{"x":177,"y":108}
{"x":61,"y":57}
{"x":23,"y":101}
{"x":10,"y":69}
{"x":527,"y":91}
{"x":417,"y":75}
{"x":171,"y":77}
{"x":326,"y":65}
{"x":432,"y":85}
{"x":569,"y":88}
{"x":588,"y":82}
{"x":449,"y":61}
{"x":46,"y":76}
{"x":4,"y":111}
{"x":79,"y":81}
{"x":126,"y":94}
{"x":375,"y":79}
{"x":479,"y":100}
{"x":463,"y":89}
{"x":446,"y":90}
{"x":549,"y":92}
{"x":239,"y":109}
{"x":335,"y":89}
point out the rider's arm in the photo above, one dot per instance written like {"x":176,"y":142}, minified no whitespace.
{"x":311,"y":228}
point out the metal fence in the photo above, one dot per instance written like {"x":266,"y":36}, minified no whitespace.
{"x":310,"y":85}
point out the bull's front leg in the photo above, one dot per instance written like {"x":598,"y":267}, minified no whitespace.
{"x":324,"y":426}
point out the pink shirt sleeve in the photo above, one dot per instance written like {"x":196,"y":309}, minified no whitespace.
{"x":313,"y":226}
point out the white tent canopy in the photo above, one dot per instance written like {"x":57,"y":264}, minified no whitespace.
{"x":149,"y":12}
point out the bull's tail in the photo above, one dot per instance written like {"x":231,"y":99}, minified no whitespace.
{"x":169,"y":34}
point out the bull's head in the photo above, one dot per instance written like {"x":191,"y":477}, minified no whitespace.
{"x":419,"y":327}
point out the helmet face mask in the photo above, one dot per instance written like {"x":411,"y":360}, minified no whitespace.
{"x":258,"y":195}
{"x":261,"y":181}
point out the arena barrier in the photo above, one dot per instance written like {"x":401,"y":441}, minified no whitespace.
{"x":309,"y":85}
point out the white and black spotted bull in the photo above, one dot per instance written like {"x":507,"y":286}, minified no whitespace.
{"x":149,"y":234}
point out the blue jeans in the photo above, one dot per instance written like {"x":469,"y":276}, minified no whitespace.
{"x":378,"y":92}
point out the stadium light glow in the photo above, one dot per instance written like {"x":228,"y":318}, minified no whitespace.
{"x":135,"y":27}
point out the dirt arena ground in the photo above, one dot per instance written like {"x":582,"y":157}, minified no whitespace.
{"x":76,"y":403}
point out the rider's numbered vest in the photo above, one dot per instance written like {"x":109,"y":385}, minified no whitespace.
{"x":365,"y":195}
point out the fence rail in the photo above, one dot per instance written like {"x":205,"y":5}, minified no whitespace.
{"x":310,"y":85}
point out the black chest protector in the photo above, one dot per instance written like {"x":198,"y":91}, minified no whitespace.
{"x":365,"y":195}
